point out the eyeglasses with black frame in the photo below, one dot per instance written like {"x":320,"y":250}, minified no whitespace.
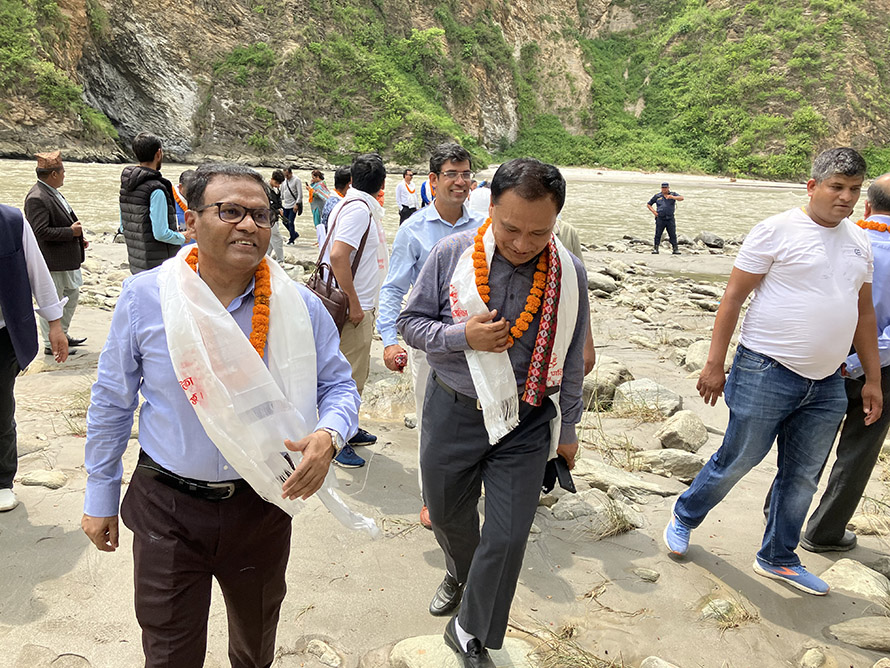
{"x":452,"y":175}
{"x":232,"y":213}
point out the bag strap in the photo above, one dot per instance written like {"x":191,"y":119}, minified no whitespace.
{"x":330,"y":234}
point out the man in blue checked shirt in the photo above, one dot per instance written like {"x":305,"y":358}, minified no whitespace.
{"x":450,"y":175}
{"x":193,"y":517}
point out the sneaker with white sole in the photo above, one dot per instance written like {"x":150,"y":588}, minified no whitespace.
{"x":362,"y":437}
{"x":7,"y":499}
{"x":347,"y":458}
{"x":676,"y":536}
{"x":796,"y":576}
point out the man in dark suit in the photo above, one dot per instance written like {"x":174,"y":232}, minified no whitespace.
{"x":59,"y":235}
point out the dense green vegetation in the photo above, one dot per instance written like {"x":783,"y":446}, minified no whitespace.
{"x":29,"y":29}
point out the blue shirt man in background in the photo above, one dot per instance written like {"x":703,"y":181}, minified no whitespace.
{"x":665,"y":202}
{"x":183,"y":486}
{"x":450,"y":174}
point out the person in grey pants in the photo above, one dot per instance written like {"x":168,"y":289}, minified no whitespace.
{"x":456,"y":454}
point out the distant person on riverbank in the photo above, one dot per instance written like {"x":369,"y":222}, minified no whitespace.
{"x":427,"y":193}
{"x":60,"y":238}
{"x":490,"y":410}
{"x":450,"y":167}
{"x":342,"y":181}
{"x":406,"y":196}
{"x":318,"y":196}
{"x":357,"y":223}
{"x":860,"y":443}
{"x":25,"y":279}
{"x":810,"y":269}
{"x":275,"y":242}
{"x":180,"y":194}
{"x":292,"y":201}
{"x":480,"y":199}
{"x":194,"y":517}
{"x":665,"y":202}
{"x":148,"y":210}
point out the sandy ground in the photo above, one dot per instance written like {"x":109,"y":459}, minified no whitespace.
{"x":64,"y":604}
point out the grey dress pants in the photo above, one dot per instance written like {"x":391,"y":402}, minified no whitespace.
{"x":456,"y":460}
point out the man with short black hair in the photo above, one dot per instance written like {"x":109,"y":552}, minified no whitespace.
{"x":292,"y":201}
{"x":148,"y":210}
{"x":60,"y":237}
{"x":810,"y":269}
{"x":665,"y":202}
{"x":275,"y":242}
{"x":193,"y":513}
{"x":476,"y":429}
{"x":406,"y":196}
{"x":450,"y":164}
{"x":356,"y":227}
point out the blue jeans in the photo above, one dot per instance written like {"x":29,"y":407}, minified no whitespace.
{"x":768,"y":401}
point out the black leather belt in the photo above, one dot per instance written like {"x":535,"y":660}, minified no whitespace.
{"x":473,"y":401}
{"x":202,"y":489}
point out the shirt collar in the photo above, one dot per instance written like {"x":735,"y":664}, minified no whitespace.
{"x":880,"y":218}
{"x":238,"y":301}
{"x":465,"y":216}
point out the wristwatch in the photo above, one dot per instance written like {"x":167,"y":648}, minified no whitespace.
{"x":336,"y":440}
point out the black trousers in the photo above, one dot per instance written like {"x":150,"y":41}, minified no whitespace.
{"x":663,"y":223}
{"x":289,"y":216}
{"x":405,"y":213}
{"x":857,"y":453}
{"x":9,"y":369}
{"x":456,"y":460}
{"x":180,"y":543}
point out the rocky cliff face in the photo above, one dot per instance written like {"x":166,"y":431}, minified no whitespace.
{"x":320,"y":81}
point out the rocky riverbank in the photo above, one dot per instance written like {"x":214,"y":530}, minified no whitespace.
{"x":597,"y":589}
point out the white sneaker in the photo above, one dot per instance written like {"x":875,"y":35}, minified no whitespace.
{"x":7,"y":500}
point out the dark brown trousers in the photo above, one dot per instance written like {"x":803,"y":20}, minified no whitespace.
{"x":180,"y":543}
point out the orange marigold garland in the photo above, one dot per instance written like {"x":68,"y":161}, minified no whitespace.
{"x":262,"y":291}
{"x":873,"y":225}
{"x":532,"y":302}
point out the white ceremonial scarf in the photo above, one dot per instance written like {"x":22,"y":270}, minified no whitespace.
{"x":492,"y":373}
{"x":247,"y":409}
{"x":377,"y":211}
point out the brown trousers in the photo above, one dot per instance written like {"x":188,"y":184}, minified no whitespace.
{"x":180,"y":543}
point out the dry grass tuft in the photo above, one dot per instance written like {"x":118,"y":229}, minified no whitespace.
{"x":560,"y":650}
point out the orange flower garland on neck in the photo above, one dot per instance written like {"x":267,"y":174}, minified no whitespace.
{"x":873,"y":225}
{"x":532,"y":302}
{"x":262,"y":291}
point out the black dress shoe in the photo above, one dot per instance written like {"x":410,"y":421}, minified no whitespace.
{"x":848,"y":542}
{"x":49,"y":351}
{"x":75,"y":342}
{"x":447,"y":597}
{"x":476,"y":655}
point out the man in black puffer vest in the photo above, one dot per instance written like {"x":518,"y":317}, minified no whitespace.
{"x":148,"y":212}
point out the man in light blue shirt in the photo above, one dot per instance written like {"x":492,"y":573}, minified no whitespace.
{"x":450,"y":175}
{"x":193,"y":517}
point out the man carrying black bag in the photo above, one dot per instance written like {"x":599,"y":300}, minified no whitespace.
{"x":503,"y":397}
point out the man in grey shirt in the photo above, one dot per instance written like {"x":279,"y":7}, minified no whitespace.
{"x":291,"y":202}
{"x":455,"y":454}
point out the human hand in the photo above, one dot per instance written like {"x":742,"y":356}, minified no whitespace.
{"x":872,"y":401}
{"x":77,"y":229}
{"x":86,"y":244}
{"x":307,"y":478}
{"x":710,"y":382}
{"x":569,"y":451}
{"x":484,"y":334}
{"x":102,"y":531}
{"x":356,"y":314}
{"x":58,"y":341}
{"x":391,"y":357}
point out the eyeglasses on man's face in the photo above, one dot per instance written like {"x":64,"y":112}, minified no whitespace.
{"x":453,"y":174}
{"x":232,"y":213}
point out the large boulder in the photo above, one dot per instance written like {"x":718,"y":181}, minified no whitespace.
{"x":679,"y":464}
{"x":853,"y":577}
{"x":598,"y":281}
{"x":602,"y":476}
{"x":599,"y":385}
{"x":865,"y":632}
{"x":684,"y":430}
{"x":710,"y":239}
{"x":869,"y":524}
{"x":697,"y":355}
{"x":605,"y":516}
{"x":647,"y":394}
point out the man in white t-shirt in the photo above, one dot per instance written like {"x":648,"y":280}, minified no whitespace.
{"x":355,"y":223}
{"x":810,"y":270}
{"x":406,"y":196}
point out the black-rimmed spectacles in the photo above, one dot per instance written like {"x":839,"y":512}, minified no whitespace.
{"x":232,"y":213}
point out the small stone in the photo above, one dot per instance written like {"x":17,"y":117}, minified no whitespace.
{"x":599,"y":385}
{"x":49,"y":479}
{"x":684,"y":430}
{"x":707,"y":291}
{"x":646,"y":393}
{"x":865,"y":632}
{"x":547,"y":500}
{"x":411,"y":420}
{"x":643,"y":342}
{"x":718,"y":608}
{"x":710,"y":239}
{"x":598,"y":281}
{"x":812,"y":658}
{"x":655,"y":662}
{"x":112,"y":291}
{"x":853,"y":577}
{"x":647,"y":574}
{"x":642,"y":316}
{"x":679,"y":464}
{"x":428,"y":651}
{"x":324,"y":653}
{"x":882,"y":663}
{"x":869,"y":524}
